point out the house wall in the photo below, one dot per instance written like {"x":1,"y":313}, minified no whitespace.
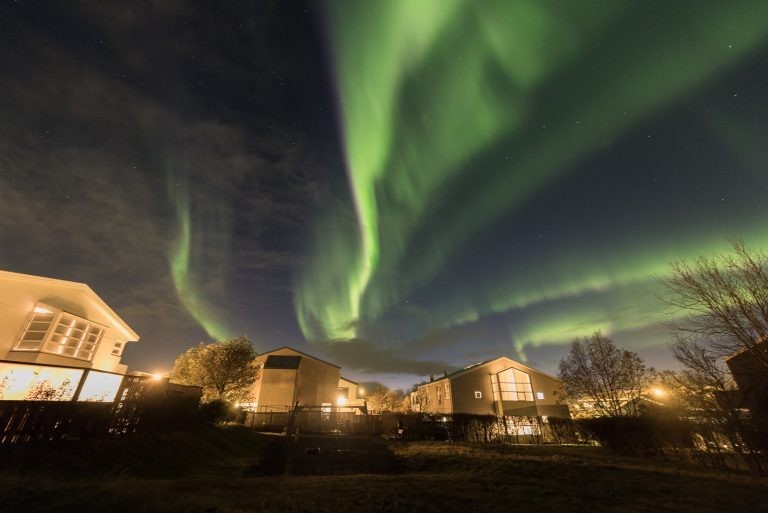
{"x":317,"y":382}
{"x":277,"y":391}
{"x":20,"y":294}
{"x":353,"y":388}
{"x":438,"y":396}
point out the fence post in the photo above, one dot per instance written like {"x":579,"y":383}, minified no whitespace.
{"x":80,"y":384}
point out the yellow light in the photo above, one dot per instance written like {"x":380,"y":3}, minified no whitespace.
{"x":39,"y":309}
{"x":157,"y":376}
{"x":361,"y":391}
{"x":341,"y":401}
{"x":658,"y":392}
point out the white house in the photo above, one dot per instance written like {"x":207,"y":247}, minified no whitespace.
{"x":58,"y":340}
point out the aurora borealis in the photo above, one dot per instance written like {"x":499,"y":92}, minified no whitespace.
{"x":396,"y":184}
{"x":458,"y":117}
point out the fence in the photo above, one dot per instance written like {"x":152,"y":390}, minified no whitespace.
{"x":316,"y":420}
{"x":140,"y":405}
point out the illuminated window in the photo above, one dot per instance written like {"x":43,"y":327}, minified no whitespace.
{"x":52,"y":331}
{"x":439,"y":390}
{"x":514,"y":385}
{"x":117,"y":349}
{"x":539,"y":395}
{"x":478,"y":394}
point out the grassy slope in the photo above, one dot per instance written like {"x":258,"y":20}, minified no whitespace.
{"x":438,"y":477}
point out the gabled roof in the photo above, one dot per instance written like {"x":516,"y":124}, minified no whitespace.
{"x":94,"y":299}
{"x":301,"y":353}
{"x":474,"y":366}
{"x":349,"y":380}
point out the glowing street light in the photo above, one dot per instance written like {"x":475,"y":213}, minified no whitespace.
{"x":341,"y":401}
{"x":157,"y":376}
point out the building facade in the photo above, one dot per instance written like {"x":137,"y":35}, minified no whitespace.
{"x":58,"y":340}
{"x":289,"y":376}
{"x":501,"y":387}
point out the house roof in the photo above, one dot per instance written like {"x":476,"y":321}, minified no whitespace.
{"x":94,"y":299}
{"x":299,"y":352}
{"x":349,"y":380}
{"x":746,"y":350}
{"x":474,"y":366}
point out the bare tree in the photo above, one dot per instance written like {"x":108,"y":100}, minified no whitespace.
{"x":705,"y":391}
{"x":225,"y":369}
{"x":721,"y":308}
{"x":420,"y":401}
{"x":722,"y":301}
{"x":610,"y":379}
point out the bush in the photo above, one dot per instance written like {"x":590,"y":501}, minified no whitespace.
{"x":645,"y":435}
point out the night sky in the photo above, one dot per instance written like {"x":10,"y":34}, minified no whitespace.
{"x":401,"y":187}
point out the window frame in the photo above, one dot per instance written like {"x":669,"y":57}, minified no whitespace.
{"x":66,"y":335}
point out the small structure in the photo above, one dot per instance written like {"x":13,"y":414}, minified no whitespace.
{"x":349,"y":393}
{"x":501,"y":387}
{"x":58,"y":341}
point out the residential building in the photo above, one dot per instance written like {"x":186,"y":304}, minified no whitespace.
{"x":349,"y":393}
{"x":58,"y":340}
{"x":500,"y":386}
{"x":289,"y":376}
{"x":751,"y":375}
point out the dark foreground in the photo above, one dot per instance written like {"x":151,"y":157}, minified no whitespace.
{"x":235,"y":470}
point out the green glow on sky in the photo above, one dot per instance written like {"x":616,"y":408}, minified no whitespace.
{"x":432,"y":93}
{"x":180,"y":258}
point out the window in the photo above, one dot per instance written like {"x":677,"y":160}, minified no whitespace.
{"x":478,"y":394}
{"x":539,"y":395}
{"x":117,"y":349}
{"x":439,"y":390}
{"x":513,"y":385}
{"x":50,"y":330}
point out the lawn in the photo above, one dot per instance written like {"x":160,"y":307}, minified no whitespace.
{"x":213,"y":471}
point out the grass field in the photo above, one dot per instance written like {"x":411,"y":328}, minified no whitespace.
{"x":212,"y":471}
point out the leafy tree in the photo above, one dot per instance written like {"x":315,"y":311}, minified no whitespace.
{"x":610,"y":379}
{"x":385,"y":400}
{"x":723,"y":301}
{"x":225,"y":369}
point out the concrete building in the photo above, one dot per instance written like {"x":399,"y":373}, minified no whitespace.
{"x":501,"y":387}
{"x":288,"y":376}
{"x":58,"y":340}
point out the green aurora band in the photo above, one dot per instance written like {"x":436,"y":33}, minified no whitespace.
{"x":180,"y":257}
{"x":433,"y":93}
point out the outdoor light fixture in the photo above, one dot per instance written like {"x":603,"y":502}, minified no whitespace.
{"x":658,"y":392}
{"x":157,"y":376}
{"x":341,"y":401}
